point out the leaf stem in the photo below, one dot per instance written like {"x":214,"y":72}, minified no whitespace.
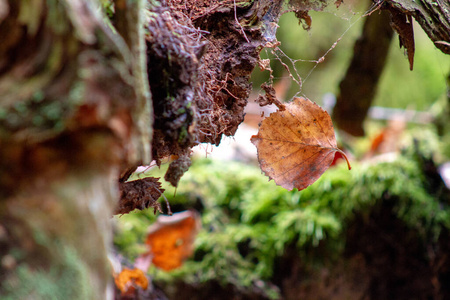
{"x":345,"y":156}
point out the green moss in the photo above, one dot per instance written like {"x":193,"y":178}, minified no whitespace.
{"x":3,"y":113}
{"x":241,"y":210}
{"x":20,"y":108}
{"x":77,"y":92}
{"x":108,"y":7}
{"x":131,"y":232}
{"x":182,"y":135}
{"x":38,"y":96}
{"x":30,"y":14}
{"x":69,"y":280}
{"x":52,"y":111}
{"x":57,"y":17}
{"x":244,"y":4}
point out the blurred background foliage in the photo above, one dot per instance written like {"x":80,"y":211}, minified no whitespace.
{"x":399,"y":87}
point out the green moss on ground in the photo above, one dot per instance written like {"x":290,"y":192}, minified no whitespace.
{"x":248,"y":223}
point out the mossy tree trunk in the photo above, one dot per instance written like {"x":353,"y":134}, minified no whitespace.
{"x":71,"y":117}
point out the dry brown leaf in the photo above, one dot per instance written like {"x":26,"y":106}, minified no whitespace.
{"x":269,"y":98}
{"x":171,"y":238}
{"x":128,"y":280}
{"x":139,"y":194}
{"x":388,"y":140}
{"x":304,"y":19}
{"x":297,"y":145}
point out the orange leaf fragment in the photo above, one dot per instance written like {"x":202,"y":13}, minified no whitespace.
{"x":128,"y":280}
{"x":297,"y":145}
{"x":171,"y":239}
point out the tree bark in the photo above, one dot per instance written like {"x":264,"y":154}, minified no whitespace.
{"x":432,"y":15}
{"x":71,"y":116}
{"x":357,"y":88}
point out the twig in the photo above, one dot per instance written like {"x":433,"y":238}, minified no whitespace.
{"x":169,"y":211}
{"x":235,"y":17}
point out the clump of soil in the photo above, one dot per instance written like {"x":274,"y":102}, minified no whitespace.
{"x":200,"y":57}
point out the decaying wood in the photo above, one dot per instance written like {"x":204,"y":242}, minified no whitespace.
{"x":402,"y":24}
{"x":432,"y":15}
{"x":76,"y":114}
